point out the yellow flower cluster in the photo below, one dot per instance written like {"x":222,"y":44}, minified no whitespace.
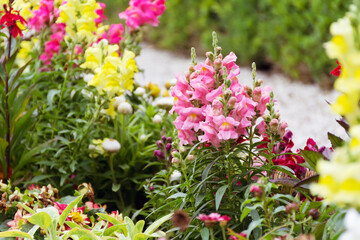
{"x":24,"y":54}
{"x":113,"y":74}
{"x":339,"y":178}
{"x":79,"y":17}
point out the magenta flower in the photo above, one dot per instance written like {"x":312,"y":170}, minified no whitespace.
{"x":116,"y":32}
{"x":143,"y":12}
{"x":100,"y":12}
{"x":42,"y":16}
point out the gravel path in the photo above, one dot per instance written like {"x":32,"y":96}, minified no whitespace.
{"x":304,"y":107}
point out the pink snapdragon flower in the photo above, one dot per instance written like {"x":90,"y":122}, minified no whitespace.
{"x":224,"y":111}
{"x":100,"y":12}
{"x":143,"y":12}
{"x":42,"y":16}
{"x":115,"y":33}
{"x":53,"y":46}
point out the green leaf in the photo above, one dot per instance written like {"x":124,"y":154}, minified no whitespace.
{"x":15,"y":234}
{"x":219,"y":195}
{"x":68,"y":209}
{"x":27,"y":208}
{"x":205,"y":234}
{"x":41,"y":219}
{"x":178,"y":195}
{"x":157,"y":224}
{"x":335,"y":140}
{"x":141,"y":236}
{"x":116,"y":228}
{"x":245,"y":213}
{"x":81,"y":233}
{"x":16,"y":75}
{"x":139,"y":226}
{"x":308,"y":180}
{"x":115,"y":187}
{"x":109,"y":219}
{"x":288,"y":182}
{"x":311,"y":158}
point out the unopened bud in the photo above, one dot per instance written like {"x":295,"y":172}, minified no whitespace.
{"x":259,"y":82}
{"x":157,"y":119}
{"x":182,"y":149}
{"x":175,"y":154}
{"x":277,"y":115}
{"x":274,"y":123}
{"x":191,"y":69}
{"x":228,"y":93}
{"x":168,"y":146}
{"x":231,"y":103}
{"x":257,"y":94}
{"x":190,"y":157}
{"x":124,"y":108}
{"x":217,"y":64}
{"x":315,"y":214}
{"x":175,"y":161}
{"x":159,"y":143}
{"x":256,"y":190}
{"x":218,"y":50}
{"x":282,"y":128}
{"x":209,"y":55}
{"x":291,"y":207}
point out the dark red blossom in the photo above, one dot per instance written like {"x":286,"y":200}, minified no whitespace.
{"x":337,"y":70}
{"x":10,"y":19}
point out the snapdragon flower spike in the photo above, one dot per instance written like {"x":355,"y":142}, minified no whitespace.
{"x":141,"y":12}
{"x":10,"y":19}
{"x":100,"y":12}
{"x":199,"y":100}
{"x":42,"y":16}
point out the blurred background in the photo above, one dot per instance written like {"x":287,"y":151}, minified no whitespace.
{"x":279,"y":35}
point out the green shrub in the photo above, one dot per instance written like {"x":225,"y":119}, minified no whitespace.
{"x":286,"y":33}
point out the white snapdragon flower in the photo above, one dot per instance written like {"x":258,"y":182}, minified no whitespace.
{"x":111,"y":145}
{"x":124,"y":108}
{"x":157,"y":119}
{"x":175,"y":176}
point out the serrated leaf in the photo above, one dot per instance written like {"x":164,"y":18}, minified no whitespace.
{"x":219,"y":195}
{"x":335,"y":140}
{"x":311,"y":158}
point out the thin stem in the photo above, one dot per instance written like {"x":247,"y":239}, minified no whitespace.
{"x":223,"y":233}
{"x":7,"y":110}
{"x":212,"y":234}
{"x":66,"y":76}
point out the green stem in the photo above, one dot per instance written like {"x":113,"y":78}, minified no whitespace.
{"x":7,"y":113}
{"x":66,"y":76}
{"x":223,"y":233}
{"x":212,"y":234}
{"x":274,"y":230}
{"x":183,"y":169}
{"x":228,"y":160}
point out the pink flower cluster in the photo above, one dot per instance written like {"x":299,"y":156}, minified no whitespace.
{"x":114,"y":34}
{"x":143,"y":12}
{"x":212,"y":105}
{"x":212,"y":218}
{"x":101,"y":14}
{"x":42,"y":16}
{"x":53,"y":46}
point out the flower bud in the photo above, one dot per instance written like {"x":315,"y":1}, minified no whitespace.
{"x":124,"y":108}
{"x":175,"y":161}
{"x":159,"y":143}
{"x":217,"y":64}
{"x":218,"y":50}
{"x":169,"y":139}
{"x":315,"y":214}
{"x":157,"y":119}
{"x":140,"y":91}
{"x":168,"y":146}
{"x":291,"y":207}
{"x":118,"y":100}
{"x":282,"y":128}
{"x":190,"y":157}
{"x":111,"y":145}
{"x":209,"y":55}
{"x":143,"y":137}
{"x":175,"y":154}
{"x":257,"y":94}
{"x":187,"y":75}
{"x":182,"y":149}
{"x":228,"y":93}
{"x":274,"y":123}
{"x":231,"y":103}
{"x":159,"y":154}
{"x":257,"y":190}
{"x":92,"y":147}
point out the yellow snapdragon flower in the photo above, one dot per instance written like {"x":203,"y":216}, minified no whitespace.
{"x":339,"y":178}
{"x":113,"y":74}
{"x":79,"y":17}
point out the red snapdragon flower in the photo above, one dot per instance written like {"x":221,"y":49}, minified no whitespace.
{"x":337,"y":70}
{"x":10,"y":19}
